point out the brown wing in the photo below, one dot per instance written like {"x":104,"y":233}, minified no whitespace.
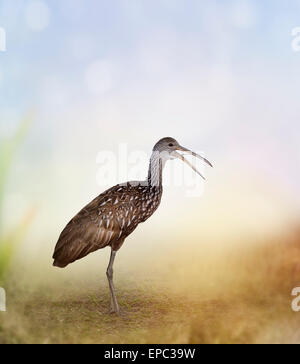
{"x":107,"y":220}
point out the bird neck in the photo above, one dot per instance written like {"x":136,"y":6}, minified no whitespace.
{"x":155,"y":169}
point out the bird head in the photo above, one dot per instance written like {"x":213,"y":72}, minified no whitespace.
{"x":168,"y":148}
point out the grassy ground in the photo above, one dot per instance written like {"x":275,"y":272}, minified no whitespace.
{"x":84,"y":318}
{"x":234,"y":296}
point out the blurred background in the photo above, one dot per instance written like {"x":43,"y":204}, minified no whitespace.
{"x":83,"y":76}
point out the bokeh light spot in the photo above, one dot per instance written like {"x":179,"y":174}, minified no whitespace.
{"x":99,"y":77}
{"x":37,"y":15}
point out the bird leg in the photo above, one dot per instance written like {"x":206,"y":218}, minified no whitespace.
{"x":109,"y":273}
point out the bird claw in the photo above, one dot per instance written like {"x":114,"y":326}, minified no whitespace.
{"x":114,"y":311}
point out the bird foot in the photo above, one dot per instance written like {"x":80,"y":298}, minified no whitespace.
{"x":114,"y":311}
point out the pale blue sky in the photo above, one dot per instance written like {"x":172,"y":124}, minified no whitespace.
{"x":117,"y":29}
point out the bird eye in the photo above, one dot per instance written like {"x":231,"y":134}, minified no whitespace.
{"x":171,"y":145}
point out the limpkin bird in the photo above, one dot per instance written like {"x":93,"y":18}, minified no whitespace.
{"x":116,"y":213}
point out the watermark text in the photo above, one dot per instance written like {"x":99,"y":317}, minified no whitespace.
{"x":124,"y":165}
{"x":2,"y":300}
{"x":296,"y":39}
{"x":296,"y":301}
{"x":2,"y":40}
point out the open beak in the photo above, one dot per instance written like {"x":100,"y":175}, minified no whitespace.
{"x":187,"y":151}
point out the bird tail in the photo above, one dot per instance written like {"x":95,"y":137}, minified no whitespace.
{"x":58,"y":264}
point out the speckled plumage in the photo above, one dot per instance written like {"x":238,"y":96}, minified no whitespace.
{"x":107,"y":221}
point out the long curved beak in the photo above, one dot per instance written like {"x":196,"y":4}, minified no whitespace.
{"x":187,"y":151}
